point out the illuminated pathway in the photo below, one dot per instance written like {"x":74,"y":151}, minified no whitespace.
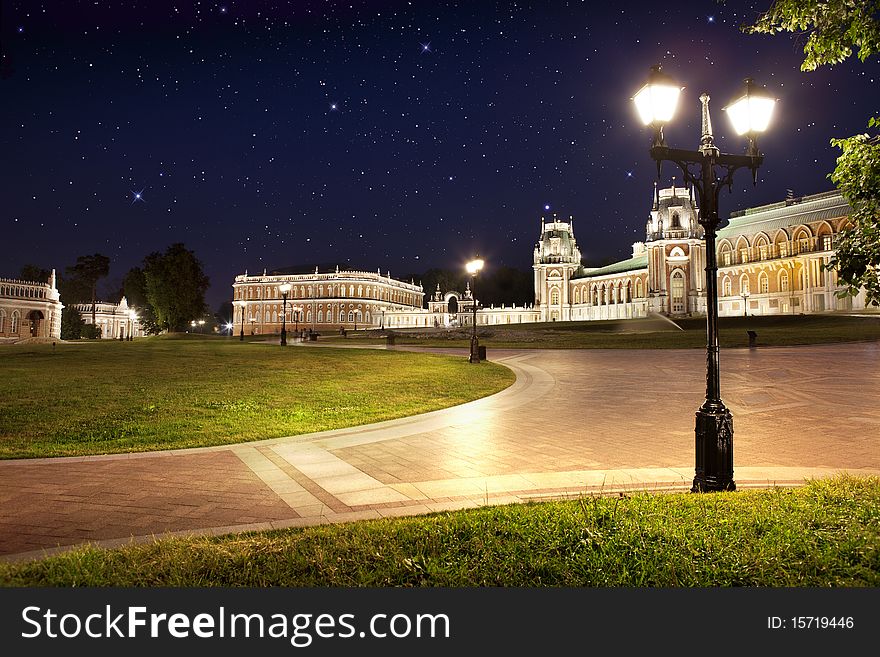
{"x":575,"y":422}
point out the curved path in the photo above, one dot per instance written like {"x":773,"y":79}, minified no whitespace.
{"x":575,"y":422}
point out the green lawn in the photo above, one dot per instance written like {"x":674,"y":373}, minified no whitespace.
{"x":655,"y":333}
{"x":826,"y":534}
{"x":159,"y":393}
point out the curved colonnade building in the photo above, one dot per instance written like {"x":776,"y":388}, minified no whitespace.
{"x":323,"y":301}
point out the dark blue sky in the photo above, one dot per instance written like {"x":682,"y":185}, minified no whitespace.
{"x":386,"y":134}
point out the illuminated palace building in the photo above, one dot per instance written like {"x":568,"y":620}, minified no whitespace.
{"x":29,"y":310}
{"x":770,"y":262}
{"x":325,"y":300}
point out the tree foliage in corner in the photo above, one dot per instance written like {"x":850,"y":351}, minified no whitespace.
{"x":835,"y":30}
{"x":175,"y":286}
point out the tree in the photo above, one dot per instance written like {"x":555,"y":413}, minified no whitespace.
{"x":87,"y":271}
{"x":71,"y":323}
{"x":34,"y":273}
{"x":835,"y":30}
{"x":175,"y":286}
{"x":134,"y":287}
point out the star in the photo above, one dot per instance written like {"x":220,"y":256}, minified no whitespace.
{"x":546,"y":206}
{"x":333,"y":107}
{"x":710,"y":19}
{"x":137,"y":196}
{"x":426,"y":47}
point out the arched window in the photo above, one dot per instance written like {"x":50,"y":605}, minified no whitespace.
{"x":639,"y":288}
{"x":726,"y":287}
{"x":676,"y":222}
{"x":350,"y":316}
{"x":577,"y":295}
{"x":783,"y":281}
{"x":309,"y":316}
{"x":554,"y":297}
{"x":320,"y":317}
{"x":763,"y":283}
{"x":744,"y":285}
{"x":351,"y":290}
{"x":341,"y":316}
{"x":14,"y":324}
{"x":2,"y":320}
{"x":677,"y":284}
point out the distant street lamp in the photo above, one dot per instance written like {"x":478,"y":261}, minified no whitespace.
{"x":201,"y":325}
{"x":132,"y":315}
{"x":296,"y":311}
{"x":745,"y":296}
{"x":285,"y":290}
{"x":473,"y":268}
{"x":750,"y":115}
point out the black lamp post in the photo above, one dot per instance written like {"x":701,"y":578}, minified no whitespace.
{"x":745,"y":296}
{"x":708,"y":170}
{"x":473,"y":268}
{"x":285,"y":290}
{"x":241,"y":335}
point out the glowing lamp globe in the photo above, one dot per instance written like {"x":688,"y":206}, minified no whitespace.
{"x":750,"y":113}
{"x":285,"y":288}
{"x":474,"y":266}
{"x":657,"y":100}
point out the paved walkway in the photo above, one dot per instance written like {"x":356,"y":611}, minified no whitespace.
{"x":574,"y":422}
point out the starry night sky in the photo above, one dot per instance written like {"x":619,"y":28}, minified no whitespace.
{"x":386,"y":134}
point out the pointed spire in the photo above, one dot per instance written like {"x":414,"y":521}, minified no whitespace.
{"x":656,"y":196}
{"x":707,"y":141}
{"x":52,"y":279}
{"x":673,"y":186}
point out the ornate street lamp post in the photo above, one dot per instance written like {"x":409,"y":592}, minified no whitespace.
{"x":473,"y":268}
{"x":708,"y":170}
{"x":285,"y":290}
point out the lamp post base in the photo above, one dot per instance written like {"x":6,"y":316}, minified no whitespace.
{"x":475,"y":350}
{"x":283,"y":338}
{"x":714,"y":450}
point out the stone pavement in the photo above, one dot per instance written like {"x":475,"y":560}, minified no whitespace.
{"x":575,"y":422}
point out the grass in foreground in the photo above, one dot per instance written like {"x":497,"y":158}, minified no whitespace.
{"x":112,"y":396}
{"x":824,"y":534}
{"x":653,"y":333}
